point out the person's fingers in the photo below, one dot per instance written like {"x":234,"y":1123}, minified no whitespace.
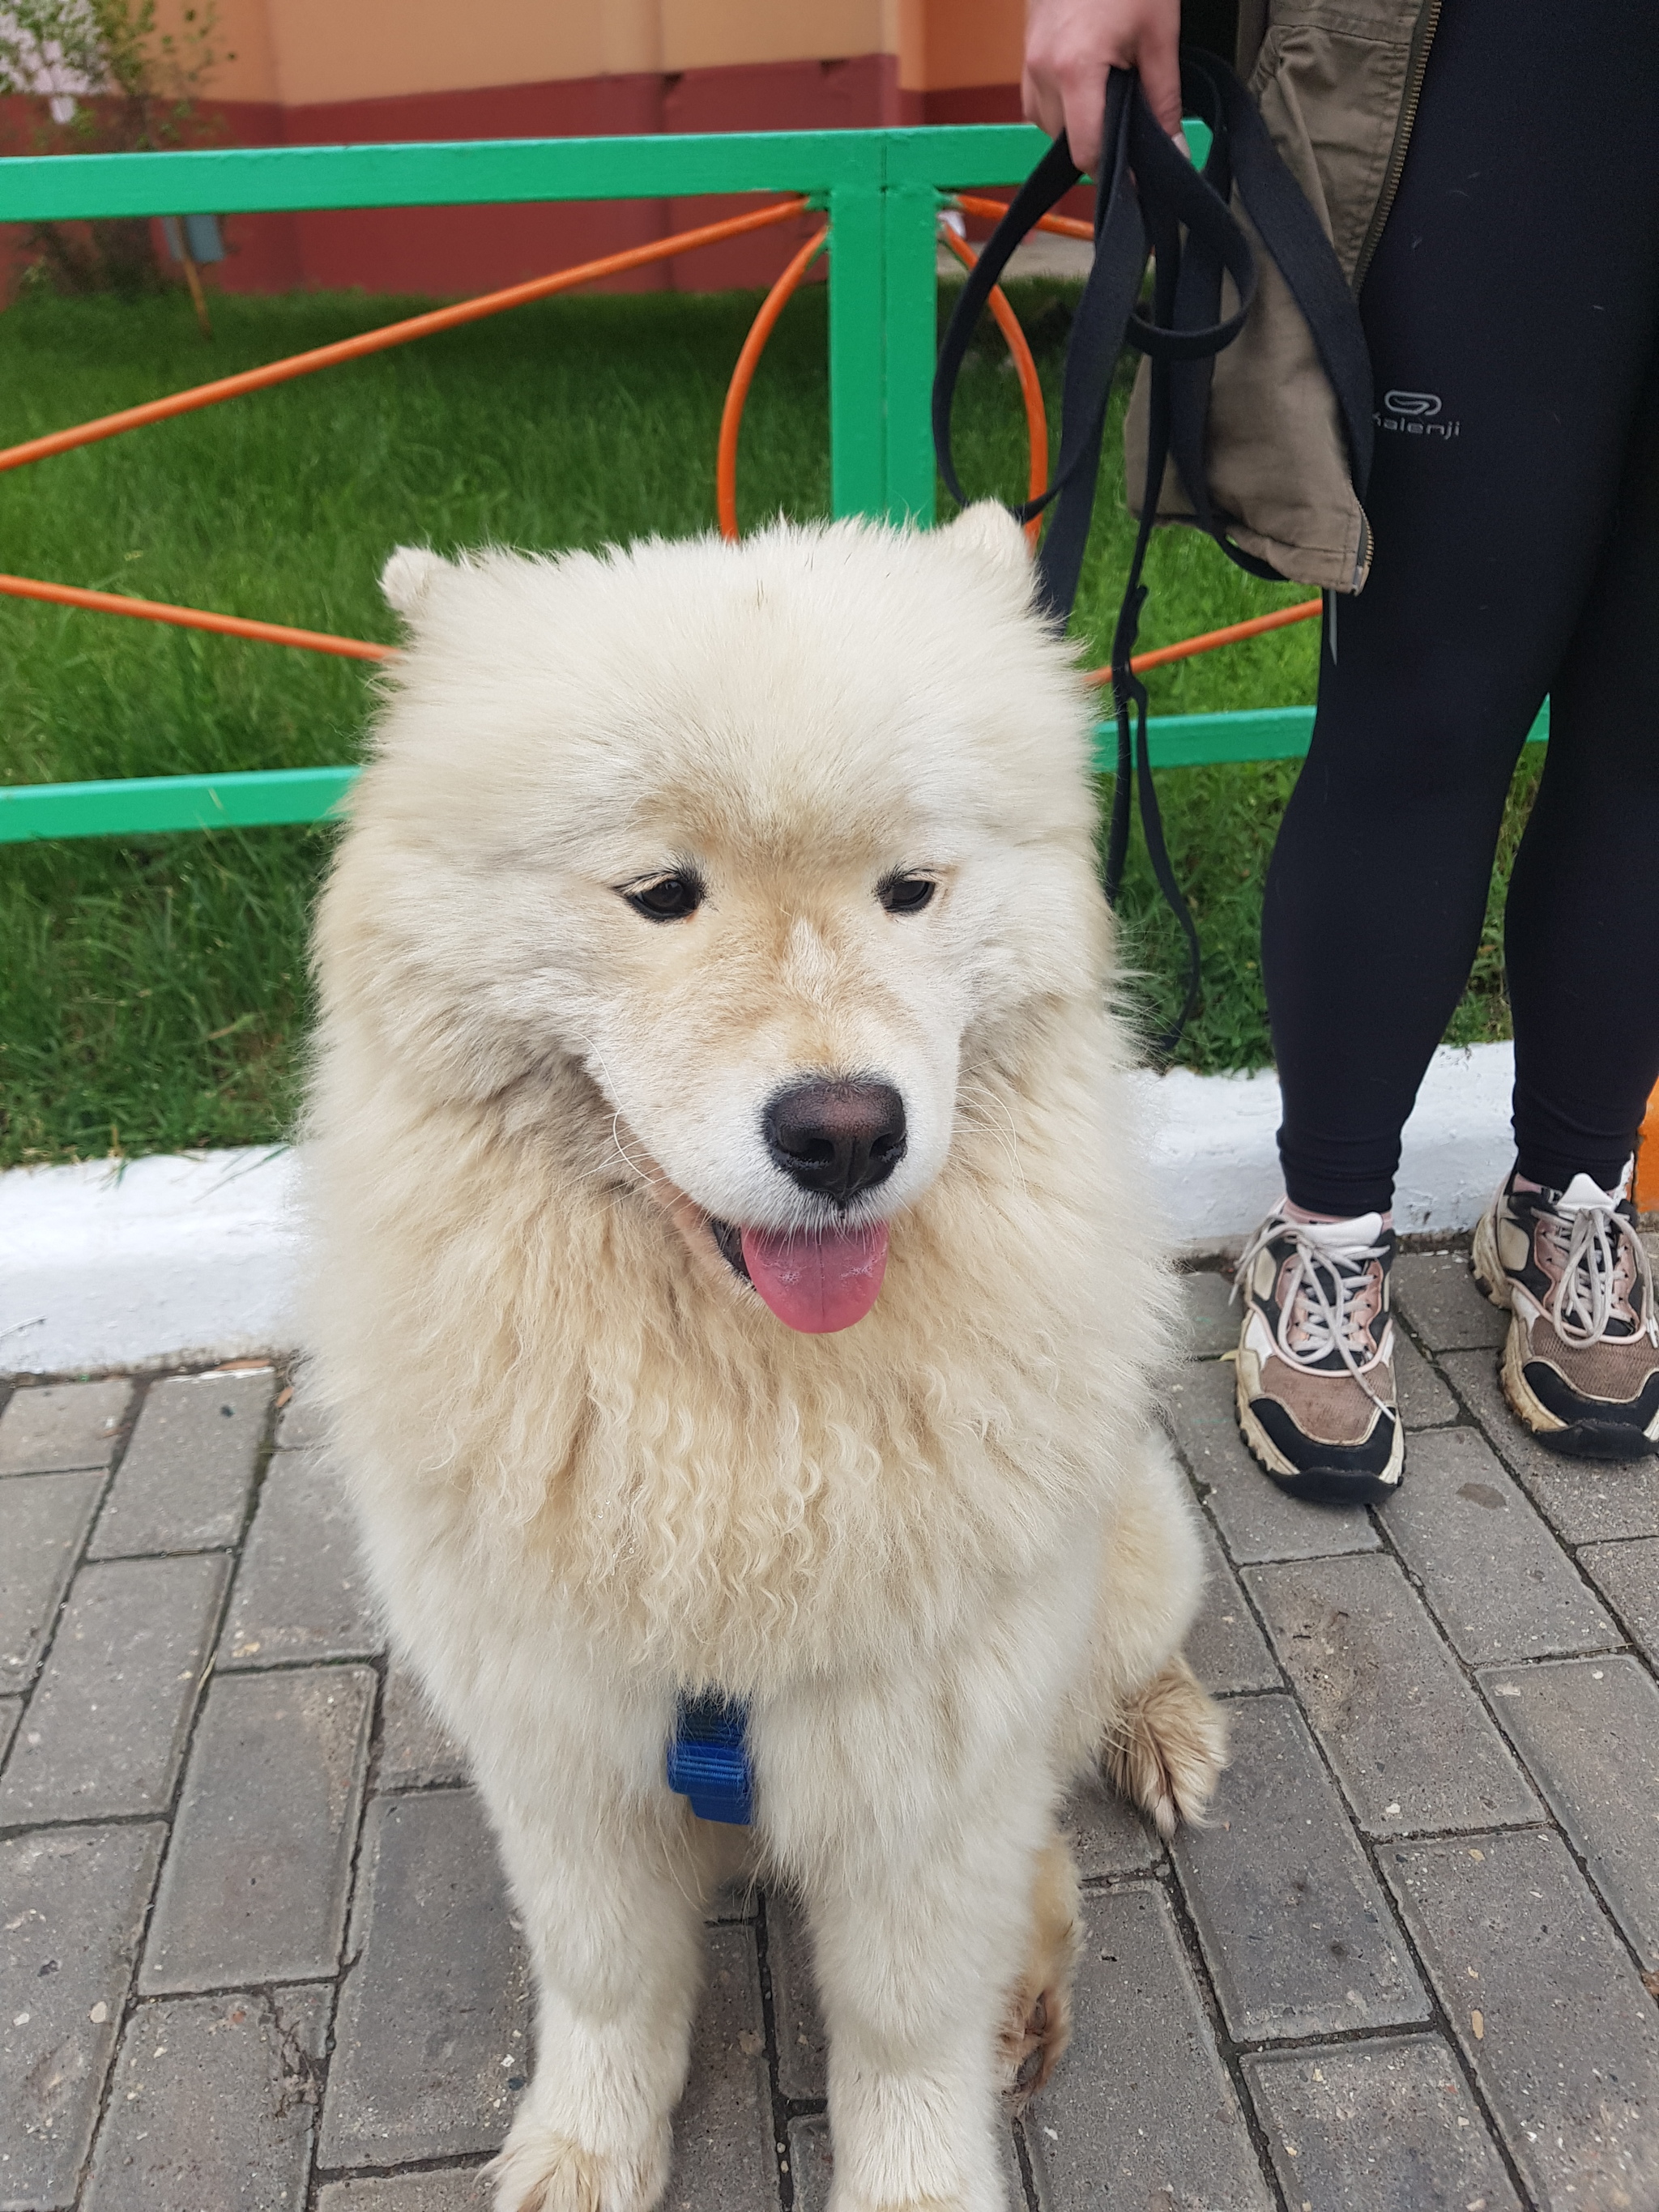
{"x":1084,"y":99}
{"x":1159,"y":61}
{"x":1040,"y":104}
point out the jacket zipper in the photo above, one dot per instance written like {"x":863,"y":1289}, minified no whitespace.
{"x":1422,"y":40}
{"x":1362,"y":565}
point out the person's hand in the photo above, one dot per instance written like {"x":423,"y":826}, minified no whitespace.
{"x":1069,"y":47}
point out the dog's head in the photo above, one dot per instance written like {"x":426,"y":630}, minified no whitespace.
{"x":770,"y":839}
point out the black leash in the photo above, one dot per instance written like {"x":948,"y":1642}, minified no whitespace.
{"x":1183,"y":216}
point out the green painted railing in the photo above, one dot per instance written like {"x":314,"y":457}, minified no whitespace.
{"x":882,"y":190}
{"x":246,"y":798}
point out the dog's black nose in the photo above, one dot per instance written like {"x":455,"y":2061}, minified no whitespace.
{"x":836,"y":1139}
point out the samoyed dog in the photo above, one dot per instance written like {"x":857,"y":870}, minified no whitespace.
{"x":732,"y":1279}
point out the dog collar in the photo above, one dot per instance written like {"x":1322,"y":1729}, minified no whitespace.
{"x":708,"y":1759}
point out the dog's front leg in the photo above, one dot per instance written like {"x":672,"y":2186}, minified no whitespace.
{"x":921,"y":1936}
{"x":611,"y":1898}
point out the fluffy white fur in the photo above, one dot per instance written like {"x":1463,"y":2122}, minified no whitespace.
{"x":935,"y":1551}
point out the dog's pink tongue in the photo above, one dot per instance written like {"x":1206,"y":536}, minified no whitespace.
{"x":817,"y":1282}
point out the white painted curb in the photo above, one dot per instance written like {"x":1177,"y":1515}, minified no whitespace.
{"x":117,"y":1264}
{"x":1215,"y":1163}
{"x":131,"y":1264}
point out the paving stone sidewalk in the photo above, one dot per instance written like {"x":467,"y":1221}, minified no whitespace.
{"x":257,"y":1956}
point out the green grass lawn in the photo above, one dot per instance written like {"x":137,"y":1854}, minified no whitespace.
{"x":154,"y":993}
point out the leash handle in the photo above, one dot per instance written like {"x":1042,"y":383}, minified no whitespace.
{"x":1150,"y":197}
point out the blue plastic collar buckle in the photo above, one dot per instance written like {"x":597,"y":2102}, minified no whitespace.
{"x":708,"y":1759}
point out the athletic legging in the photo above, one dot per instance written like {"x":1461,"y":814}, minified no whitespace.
{"x":1511,"y":309}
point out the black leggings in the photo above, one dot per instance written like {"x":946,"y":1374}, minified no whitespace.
{"x":1511,"y":310}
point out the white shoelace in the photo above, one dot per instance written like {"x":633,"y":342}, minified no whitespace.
{"x":1327,"y":1315}
{"x":1582,"y":1307}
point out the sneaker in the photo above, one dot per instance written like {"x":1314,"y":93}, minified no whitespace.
{"x":1581,"y":1362}
{"x":1315,"y":1357}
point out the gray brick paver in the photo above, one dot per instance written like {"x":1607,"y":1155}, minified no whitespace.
{"x":1299,"y":1938}
{"x":300,"y":1592}
{"x":256,"y":1880}
{"x":183,"y":1481}
{"x":811,"y":2164}
{"x":46,"y":1518}
{"x":51,"y":1426}
{"x":1257,"y":1519}
{"x":1225,"y":1649}
{"x":1442,"y":1304}
{"x":1107,"y":1835}
{"x":1424,"y":1400}
{"x":448,"y":2189}
{"x":1567,"y":2047}
{"x":213,"y":2105}
{"x":416,"y":1748}
{"x":1381,"y":2126}
{"x":802,"y":2045}
{"x":1627,"y":1576}
{"x":105,"y":1727}
{"x":74,"y":1902}
{"x":1495,"y":1577}
{"x":1209,"y":1323}
{"x":1141,"y":2110}
{"x":301,"y":1425}
{"x":723,"y":2154}
{"x":1411,"y":1742}
{"x":1587,"y":1501}
{"x":437,"y":1994}
{"x":1588,"y":1730}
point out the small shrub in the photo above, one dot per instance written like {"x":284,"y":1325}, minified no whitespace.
{"x":98,"y":77}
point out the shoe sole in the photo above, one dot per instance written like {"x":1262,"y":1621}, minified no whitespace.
{"x":1602,"y":1440}
{"x":1320,"y":1486}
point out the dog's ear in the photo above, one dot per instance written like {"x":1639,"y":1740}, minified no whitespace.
{"x":407,"y":577}
{"x":988,"y":530}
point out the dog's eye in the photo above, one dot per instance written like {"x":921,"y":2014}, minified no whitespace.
{"x":669,"y":899}
{"x":906,"y":894}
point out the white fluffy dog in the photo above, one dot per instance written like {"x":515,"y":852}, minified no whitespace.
{"x":732,"y":1275}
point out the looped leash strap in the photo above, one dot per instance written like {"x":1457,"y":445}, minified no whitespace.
{"x":1149,"y":197}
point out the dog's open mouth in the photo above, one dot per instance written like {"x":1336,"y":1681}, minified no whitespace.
{"x":815,"y":1279}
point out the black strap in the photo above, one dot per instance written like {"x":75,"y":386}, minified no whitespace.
{"x":1149,"y":195}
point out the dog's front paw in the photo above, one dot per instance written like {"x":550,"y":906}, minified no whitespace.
{"x":541,"y":2170}
{"x":1168,"y":1749}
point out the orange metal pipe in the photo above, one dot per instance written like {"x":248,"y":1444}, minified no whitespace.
{"x":1031,"y":385}
{"x":394,"y":334}
{"x":742,"y":375}
{"x":110,"y":603}
{"x":1281,"y":618}
{"x":1067,"y":226}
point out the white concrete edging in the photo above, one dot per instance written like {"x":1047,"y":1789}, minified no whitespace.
{"x":127,"y":1264}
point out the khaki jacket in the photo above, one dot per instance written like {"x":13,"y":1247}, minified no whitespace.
{"x":1338,"y":84}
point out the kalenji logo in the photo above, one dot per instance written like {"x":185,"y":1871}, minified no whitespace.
{"x":1414,"y":413}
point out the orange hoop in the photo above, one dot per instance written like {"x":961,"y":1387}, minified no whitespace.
{"x":742,"y":375}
